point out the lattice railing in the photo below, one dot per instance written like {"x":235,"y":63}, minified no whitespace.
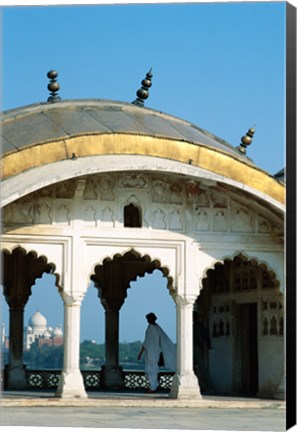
{"x":133,"y":380}
{"x":43,"y":379}
{"x":92,"y":380}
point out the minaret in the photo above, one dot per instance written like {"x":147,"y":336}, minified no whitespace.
{"x":3,"y":334}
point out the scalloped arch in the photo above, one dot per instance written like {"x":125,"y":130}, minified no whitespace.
{"x":138,"y":256}
{"x":35,"y":255}
{"x":244,"y":256}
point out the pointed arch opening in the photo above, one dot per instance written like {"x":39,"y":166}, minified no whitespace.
{"x":243,"y":309}
{"x":24,"y":276}
{"x":116,"y":280}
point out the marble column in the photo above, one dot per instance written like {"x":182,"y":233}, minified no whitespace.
{"x":112,"y":373}
{"x":20,"y":271}
{"x":280,"y":391}
{"x":15,"y":370}
{"x":185,"y":383}
{"x":71,"y":383}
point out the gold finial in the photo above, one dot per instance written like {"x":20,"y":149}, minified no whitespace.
{"x":246,"y":140}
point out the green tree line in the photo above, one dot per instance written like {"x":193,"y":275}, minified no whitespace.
{"x":92,"y":356}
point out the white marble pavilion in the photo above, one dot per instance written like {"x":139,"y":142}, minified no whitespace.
{"x":108,"y":191}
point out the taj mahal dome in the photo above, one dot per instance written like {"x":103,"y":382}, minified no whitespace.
{"x":38,"y":330}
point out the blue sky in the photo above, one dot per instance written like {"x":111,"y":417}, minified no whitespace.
{"x":219,"y":65}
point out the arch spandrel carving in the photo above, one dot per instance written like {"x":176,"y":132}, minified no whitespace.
{"x":90,"y":189}
{"x":89,"y":215}
{"x":107,"y":188}
{"x":133,"y":180}
{"x":164,"y":200}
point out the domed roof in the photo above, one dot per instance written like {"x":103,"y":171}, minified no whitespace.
{"x":43,"y":122}
{"x":47,"y":334}
{"x":57,"y":331}
{"x":281,"y":175}
{"x":79,"y":137}
{"x":37,"y":320}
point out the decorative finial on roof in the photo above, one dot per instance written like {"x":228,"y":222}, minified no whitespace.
{"x":142,"y":93}
{"x":53,"y":86}
{"x":246,"y":140}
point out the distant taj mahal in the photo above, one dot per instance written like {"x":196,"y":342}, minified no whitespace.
{"x":40,"y":333}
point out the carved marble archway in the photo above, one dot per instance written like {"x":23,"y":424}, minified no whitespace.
{"x":20,"y":271}
{"x":241,"y":300}
{"x":112,"y":278}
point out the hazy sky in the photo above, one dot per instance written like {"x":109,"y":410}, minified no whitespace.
{"x":219,"y":65}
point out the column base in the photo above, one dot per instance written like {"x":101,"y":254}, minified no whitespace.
{"x":112,"y":377}
{"x":15,"y":377}
{"x":280,"y":392}
{"x":185,"y":386}
{"x":71,"y":385}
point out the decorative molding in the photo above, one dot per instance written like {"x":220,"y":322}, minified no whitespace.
{"x":158,"y":219}
{"x":66,"y":189}
{"x":42,"y":213}
{"x":202,"y":219}
{"x":159,"y":190}
{"x":203,"y":209}
{"x":242,"y":219}
{"x":107,"y":184}
{"x":175,"y":220}
{"x":63,"y":213}
{"x":90,"y":189}
{"x":272,"y":315}
{"x":220,"y":320}
{"x":220,"y":219}
{"x":132,"y":180}
{"x":176,"y":193}
{"x":107,"y":217}
{"x":89,"y":215}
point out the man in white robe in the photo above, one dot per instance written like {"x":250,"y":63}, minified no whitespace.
{"x":155,"y":342}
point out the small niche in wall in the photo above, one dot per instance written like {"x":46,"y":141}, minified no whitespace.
{"x":132,"y":216}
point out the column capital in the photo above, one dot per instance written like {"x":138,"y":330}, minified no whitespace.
{"x":111,"y":306}
{"x":19,"y":307}
{"x":72,"y":299}
{"x":185,"y":300}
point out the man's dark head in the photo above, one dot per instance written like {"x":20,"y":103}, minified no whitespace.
{"x":151,"y":317}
